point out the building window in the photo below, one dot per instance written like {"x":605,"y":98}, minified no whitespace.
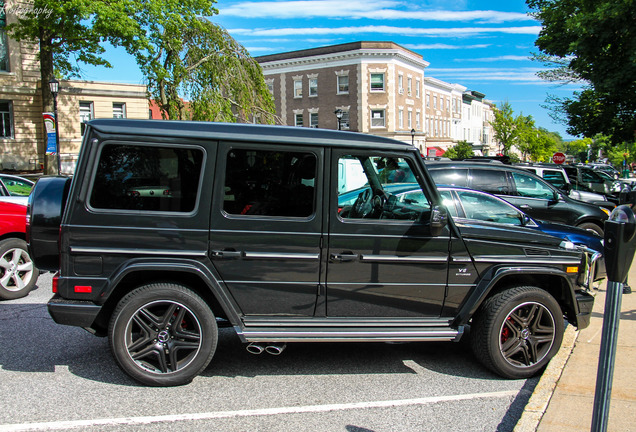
{"x":401,"y":119}
{"x":86,"y":114}
{"x":344,"y":121}
{"x":313,"y":87}
{"x":409,"y":85}
{"x":417,"y":88}
{"x":343,"y":84}
{"x":119,"y":110}
{"x":313,"y":120}
{"x":377,"y":118}
{"x":298,"y":88}
{"x":401,"y":84}
{"x":409,"y":119}
{"x":377,"y":82}
{"x":6,"y":119}
{"x":270,"y":86}
{"x":4,"y":47}
{"x":435,"y":102}
{"x":299,"y":120}
{"x":417,"y":120}
{"x":428,"y":101}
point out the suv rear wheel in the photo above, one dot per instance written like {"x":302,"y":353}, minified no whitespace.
{"x":163,"y":334}
{"x":18,"y":275}
{"x":516,"y":332}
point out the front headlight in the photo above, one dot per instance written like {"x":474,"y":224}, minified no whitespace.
{"x":607,"y":212}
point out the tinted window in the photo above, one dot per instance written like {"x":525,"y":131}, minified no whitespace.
{"x":147,"y":178}
{"x":591,"y":177}
{"x":489,"y":180}
{"x":532,"y":187}
{"x":269,"y":183}
{"x":450,"y":176}
{"x":555,"y":178}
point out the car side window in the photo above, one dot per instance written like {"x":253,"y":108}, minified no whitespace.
{"x":390,"y":189}
{"x":489,"y":180}
{"x":450,"y":176}
{"x":17,"y":187}
{"x":269,"y":183}
{"x":488,"y":208}
{"x":449,"y":202}
{"x":147,"y":178}
{"x":556,"y":178}
{"x":531,"y":187}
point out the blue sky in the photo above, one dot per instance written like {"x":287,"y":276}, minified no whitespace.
{"x":483,"y":45}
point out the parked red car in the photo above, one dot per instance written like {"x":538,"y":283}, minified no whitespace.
{"x":18,"y":274}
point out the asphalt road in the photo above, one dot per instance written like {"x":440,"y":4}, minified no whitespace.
{"x":56,"y":377}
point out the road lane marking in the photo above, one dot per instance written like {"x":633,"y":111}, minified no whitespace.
{"x":128,"y":421}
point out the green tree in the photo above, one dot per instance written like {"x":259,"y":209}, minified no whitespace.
{"x":596,"y":42}
{"x":506,"y":127}
{"x":161,"y":34}
{"x":189,"y":56}
{"x":461,"y":150}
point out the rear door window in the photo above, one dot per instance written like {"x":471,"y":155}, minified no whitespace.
{"x":270,"y":183}
{"x":528,"y":186}
{"x":490,"y":180}
{"x":450,"y":176}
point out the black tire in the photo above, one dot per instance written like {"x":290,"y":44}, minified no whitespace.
{"x":515,"y":333}
{"x":163,"y":334}
{"x":592,"y":227}
{"x":18,"y":274}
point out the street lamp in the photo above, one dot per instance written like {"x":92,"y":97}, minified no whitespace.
{"x":413,"y":137}
{"x":54,"y":86}
{"x":339,"y":113}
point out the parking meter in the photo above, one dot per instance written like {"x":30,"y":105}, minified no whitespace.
{"x":619,"y":248}
{"x":619,"y":243}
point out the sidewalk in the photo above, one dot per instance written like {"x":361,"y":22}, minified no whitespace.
{"x":563,"y":400}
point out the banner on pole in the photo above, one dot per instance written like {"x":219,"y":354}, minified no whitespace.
{"x":51,"y":133}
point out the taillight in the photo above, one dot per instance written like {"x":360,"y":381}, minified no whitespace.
{"x":55,"y":282}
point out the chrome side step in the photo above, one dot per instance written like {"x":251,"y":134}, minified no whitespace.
{"x":349,"y":330}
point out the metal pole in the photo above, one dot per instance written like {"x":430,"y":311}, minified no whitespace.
{"x":607,"y":357}
{"x":57,"y":135}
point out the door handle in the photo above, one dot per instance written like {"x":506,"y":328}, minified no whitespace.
{"x":344,"y":257}
{"x":524,"y":206}
{"x":225,"y":254}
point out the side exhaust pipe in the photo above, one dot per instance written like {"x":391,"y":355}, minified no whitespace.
{"x":275,"y":349}
{"x":255,"y":348}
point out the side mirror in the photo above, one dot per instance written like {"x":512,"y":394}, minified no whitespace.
{"x":439,"y":219}
{"x":525,"y":219}
{"x":567,"y":188}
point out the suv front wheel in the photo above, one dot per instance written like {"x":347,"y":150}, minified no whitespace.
{"x":515,"y":333}
{"x":163,"y":334}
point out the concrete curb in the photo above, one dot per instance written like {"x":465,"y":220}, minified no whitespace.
{"x":542,"y":393}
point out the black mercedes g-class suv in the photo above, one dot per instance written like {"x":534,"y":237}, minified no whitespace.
{"x":169,"y":228}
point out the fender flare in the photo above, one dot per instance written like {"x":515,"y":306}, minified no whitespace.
{"x":212,"y":282}
{"x":494,"y":275}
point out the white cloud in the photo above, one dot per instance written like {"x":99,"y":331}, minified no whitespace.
{"x":483,"y":75}
{"x":440,"y":46}
{"x":381,"y":10}
{"x":389,"y":30}
{"x":499,"y":58}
